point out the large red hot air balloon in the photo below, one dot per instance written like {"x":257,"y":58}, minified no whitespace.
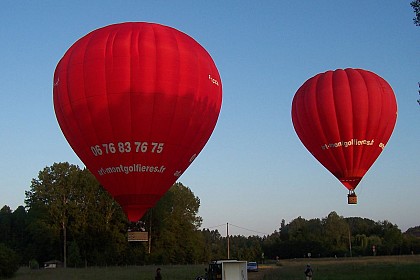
{"x":345,"y":118}
{"x":137,"y":102}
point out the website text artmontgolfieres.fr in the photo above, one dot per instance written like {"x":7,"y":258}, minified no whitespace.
{"x":352,"y":142}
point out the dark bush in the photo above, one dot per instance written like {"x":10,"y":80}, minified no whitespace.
{"x":33,"y":264}
{"x":9,"y":262}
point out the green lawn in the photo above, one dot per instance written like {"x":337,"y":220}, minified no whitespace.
{"x":360,"y":268}
{"x":363,"y":268}
{"x":175,"y":272}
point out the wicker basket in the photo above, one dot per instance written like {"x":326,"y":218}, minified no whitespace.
{"x":352,"y":198}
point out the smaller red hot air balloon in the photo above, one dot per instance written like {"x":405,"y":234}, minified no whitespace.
{"x":137,"y":102}
{"x":345,"y":118}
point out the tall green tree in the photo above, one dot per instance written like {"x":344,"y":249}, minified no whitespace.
{"x":413,"y":231}
{"x":54,"y":189}
{"x":43,"y":237}
{"x":175,"y":227}
{"x":13,"y":230}
{"x":68,"y":202}
{"x":416,"y":7}
{"x":5,"y":224}
{"x":337,"y":233}
{"x":246,"y":248}
{"x":9,"y":262}
{"x":55,"y":192}
{"x":297,"y":229}
{"x":19,"y":239}
{"x":212,"y":246}
{"x":418,"y":100}
{"x":392,"y":238}
{"x":96,"y":222}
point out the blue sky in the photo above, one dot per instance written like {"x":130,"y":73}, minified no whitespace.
{"x":254,"y":171}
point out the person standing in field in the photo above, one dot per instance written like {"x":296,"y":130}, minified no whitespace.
{"x":308,"y":272}
{"x":158,"y":275}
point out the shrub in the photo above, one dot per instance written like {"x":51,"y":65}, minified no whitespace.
{"x":74,"y":258}
{"x":9,"y":262}
{"x":33,"y":264}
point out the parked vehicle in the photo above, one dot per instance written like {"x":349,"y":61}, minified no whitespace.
{"x":252,"y":266}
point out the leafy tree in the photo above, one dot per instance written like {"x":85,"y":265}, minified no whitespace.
{"x":361,"y":225}
{"x":43,"y":240}
{"x":336,"y":233}
{"x":392,"y":239}
{"x":19,"y":233}
{"x":5,"y":224}
{"x":416,"y":6}
{"x":314,"y":230}
{"x":413,"y":231}
{"x":411,"y":241}
{"x":54,"y":189}
{"x":272,"y":243}
{"x":297,"y":229}
{"x":67,"y":202}
{"x":246,"y":248}
{"x":418,"y":100}
{"x":74,"y":258}
{"x":283,"y":230}
{"x":374,"y":242}
{"x":359,"y":243}
{"x":212,"y":245}
{"x":33,"y":264}
{"x":175,"y":234}
{"x":97,"y":222}
{"x":297,"y":239}
{"x":9,"y":262}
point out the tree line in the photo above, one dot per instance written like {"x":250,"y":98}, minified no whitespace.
{"x":336,"y":236}
{"x":416,"y":7}
{"x":69,"y":217}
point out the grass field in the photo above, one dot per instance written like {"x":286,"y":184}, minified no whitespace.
{"x":181,"y":272}
{"x":363,"y":268}
{"x":360,"y":268}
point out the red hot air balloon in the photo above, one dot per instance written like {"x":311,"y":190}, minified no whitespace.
{"x":137,"y":102}
{"x":345,"y":118}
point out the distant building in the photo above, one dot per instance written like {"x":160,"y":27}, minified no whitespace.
{"x":53,"y":264}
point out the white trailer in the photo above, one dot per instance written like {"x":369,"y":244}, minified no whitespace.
{"x":227,"y":270}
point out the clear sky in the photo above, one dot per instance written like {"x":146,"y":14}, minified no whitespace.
{"x":254,"y":171}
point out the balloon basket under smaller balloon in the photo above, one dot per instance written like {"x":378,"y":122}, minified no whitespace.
{"x":352,"y":198}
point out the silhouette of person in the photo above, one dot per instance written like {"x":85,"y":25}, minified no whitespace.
{"x":308,"y":272}
{"x":158,"y":275}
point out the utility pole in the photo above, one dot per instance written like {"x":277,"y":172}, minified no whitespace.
{"x":350,"y":243}
{"x":150,"y":232}
{"x":227,"y":236}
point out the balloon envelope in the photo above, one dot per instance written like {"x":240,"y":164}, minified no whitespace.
{"x":137,"y":102}
{"x":345,"y":118}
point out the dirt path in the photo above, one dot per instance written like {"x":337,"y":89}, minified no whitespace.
{"x":262,"y":270}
